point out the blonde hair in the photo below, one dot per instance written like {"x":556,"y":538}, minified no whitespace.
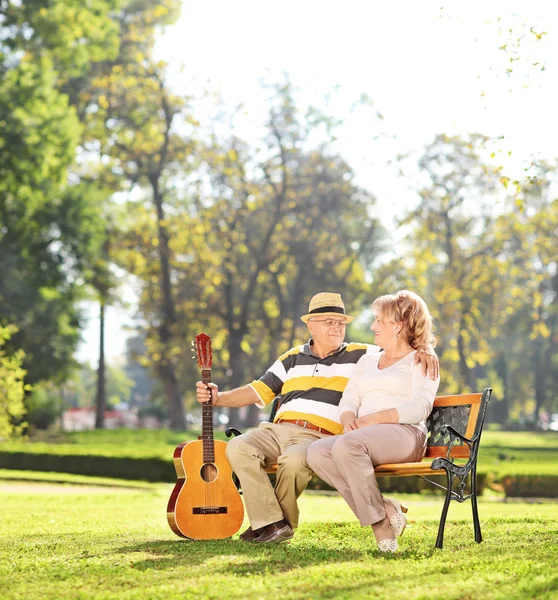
{"x":411,"y":311}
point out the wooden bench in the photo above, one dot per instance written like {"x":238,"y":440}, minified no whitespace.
{"x":454,"y":431}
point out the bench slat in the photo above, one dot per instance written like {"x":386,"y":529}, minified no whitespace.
{"x":457,"y":400}
{"x":405,"y":469}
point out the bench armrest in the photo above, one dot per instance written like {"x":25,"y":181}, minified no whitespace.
{"x":230,"y":431}
{"x":455,"y":434}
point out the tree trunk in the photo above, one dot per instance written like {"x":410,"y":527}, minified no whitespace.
{"x":539,"y":372}
{"x":166,"y":370}
{"x":177,"y":418}
{"x":101,"y":399}
{"x":498,"y":410}
{"x":463,"y":368}
{"x":237,"y":377}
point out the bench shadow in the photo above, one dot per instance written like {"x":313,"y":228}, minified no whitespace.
{"x":334,"y":546}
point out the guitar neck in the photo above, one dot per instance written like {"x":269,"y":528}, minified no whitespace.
{"x":207,"y":424}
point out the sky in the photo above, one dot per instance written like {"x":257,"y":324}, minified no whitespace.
{"x":428,"y":67}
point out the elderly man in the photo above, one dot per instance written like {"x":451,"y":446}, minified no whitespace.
{"x":310,"y":380}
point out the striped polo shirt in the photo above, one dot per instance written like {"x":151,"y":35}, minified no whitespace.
{"x":309,"y":387}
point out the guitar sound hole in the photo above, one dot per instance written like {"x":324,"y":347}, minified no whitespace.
{"x":209,"y":472}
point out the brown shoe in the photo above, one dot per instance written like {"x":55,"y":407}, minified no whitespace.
{"x":250,"y":534}
{"x":276,"y":532}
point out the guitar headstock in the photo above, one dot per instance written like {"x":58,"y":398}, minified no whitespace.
{"x":203,"y":349}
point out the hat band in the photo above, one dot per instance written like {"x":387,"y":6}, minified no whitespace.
{"x":328,"y":309}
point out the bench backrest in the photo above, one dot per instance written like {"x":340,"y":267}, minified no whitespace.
{"x":464,"y":412}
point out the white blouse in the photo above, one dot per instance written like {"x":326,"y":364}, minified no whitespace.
{"x":401,"y":386}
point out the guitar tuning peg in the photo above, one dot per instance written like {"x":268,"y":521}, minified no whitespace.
{"x":192,"y":343}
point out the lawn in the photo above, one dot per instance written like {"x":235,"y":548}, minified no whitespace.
{"x":100,"y":539}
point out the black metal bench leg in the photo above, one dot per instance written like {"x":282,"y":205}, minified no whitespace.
{"x":440,"y":538}
{"x":476,"y":522}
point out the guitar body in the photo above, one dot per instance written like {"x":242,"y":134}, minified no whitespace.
{"x":205,"y":503}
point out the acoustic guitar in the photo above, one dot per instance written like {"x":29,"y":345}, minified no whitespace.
{"x":205,"y":503}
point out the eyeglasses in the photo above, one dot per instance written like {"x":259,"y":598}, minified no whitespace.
{"x":330,"y":322}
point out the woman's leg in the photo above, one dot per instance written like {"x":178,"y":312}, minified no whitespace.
{"x":355,"y":454}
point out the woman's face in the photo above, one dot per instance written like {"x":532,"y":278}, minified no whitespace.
{"x":384,"y":331}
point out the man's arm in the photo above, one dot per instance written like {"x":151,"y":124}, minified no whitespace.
{"x":429,"y":362}
{"x":242,"y":396}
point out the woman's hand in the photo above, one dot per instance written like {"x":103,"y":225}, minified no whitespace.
{"x":206,"y":391}
{"x":350,"y":426}
{"x":348,"y":420}
{"x":365,"y":421}
{"x":359,"y":423}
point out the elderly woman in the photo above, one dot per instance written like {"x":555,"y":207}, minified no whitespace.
{"x":383,"y":411}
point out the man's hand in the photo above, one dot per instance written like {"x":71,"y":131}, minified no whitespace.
{"x":429,"y":363}
{"x":205,"y":391}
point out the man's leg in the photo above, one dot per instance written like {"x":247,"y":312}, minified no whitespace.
{"x":249,"y":454}
{"x":293,"y":472}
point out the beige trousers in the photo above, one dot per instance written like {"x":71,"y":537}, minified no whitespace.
{"x":347,"y":463}
{"x":284,"y":444}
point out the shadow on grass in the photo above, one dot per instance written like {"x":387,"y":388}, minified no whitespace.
{"x":312,"y":546}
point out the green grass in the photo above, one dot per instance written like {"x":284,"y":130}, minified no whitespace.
{"x":519,"y":453}
{"x":69,"y":542}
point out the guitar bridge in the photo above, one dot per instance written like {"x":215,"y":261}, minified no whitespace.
{"x":209,"y":510}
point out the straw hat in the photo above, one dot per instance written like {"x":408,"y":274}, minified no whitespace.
{"x":326,"y":304}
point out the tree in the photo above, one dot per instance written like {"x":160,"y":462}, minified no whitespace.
{"x":452,"y":259}
{"x":260,"y":238}
{"x":527,"y":352}
{"x":127,"y":115}
{"x":480,"y":249}
{"x":45,"y":233}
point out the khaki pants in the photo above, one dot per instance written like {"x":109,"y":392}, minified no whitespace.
{"x":284,"y":444}
{"x":347,"y":463}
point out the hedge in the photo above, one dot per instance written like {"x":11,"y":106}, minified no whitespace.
{"x":530,"y":486}
{"x":155,"y":469}
{"x":145,"y":469}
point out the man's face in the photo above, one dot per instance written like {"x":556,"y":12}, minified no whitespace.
{"x":327,"y":331}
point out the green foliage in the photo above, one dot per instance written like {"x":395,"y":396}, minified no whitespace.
{"x":261,"y":231}
{"x":44,"y":405}
{"x":48,"y":229}
{"x":487,"y":270}
{"x":12,"y":389}
{"x":59,"y":28}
